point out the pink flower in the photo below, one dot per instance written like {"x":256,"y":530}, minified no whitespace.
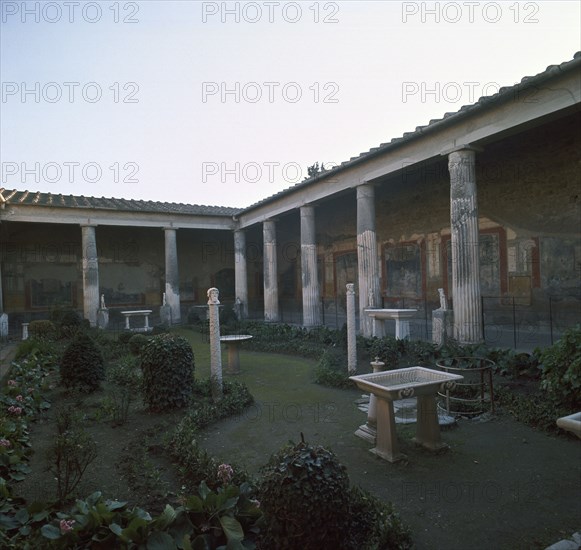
{"x":12,"y":383}
{"x":255,"y":502}
{"x":66,"y":525}
{"x":30,"y":390}
{"x":14,"y":410}
{"x":225,"y":473}
{"x":5,"y":443}
{"x":19,"y":398}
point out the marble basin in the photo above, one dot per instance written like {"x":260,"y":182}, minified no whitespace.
{"x":571,"y":423}
{"x":390,"y":386}
{"x":403,"y":383}
{"x":396,"y":314}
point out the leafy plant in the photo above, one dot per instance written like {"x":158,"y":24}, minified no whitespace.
{"x":82,"y":365}
{"x":304,"y":496}
{"x":561,"y":369}
{"x":226,"y":518}
{"x":168,"y":372}
{"x":126,"y":373}
{"x":74,"y":449}
{"x":331,"y":370}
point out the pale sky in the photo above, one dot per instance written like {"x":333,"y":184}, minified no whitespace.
{"x":228,"y":102}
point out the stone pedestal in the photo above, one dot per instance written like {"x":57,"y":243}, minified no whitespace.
{"x":368,"y":431}
{"x":103,"y":318}
{"x":309,"y":277}
{"x":215,"y":349}
{"x":367,"y":260}
{"x":270,"y":272}
{"x":351,"y":330}
{"x":465,"y":247}
{"x":442,"y":326}
{"x":165,"y":315}
{"x":25,"y":331}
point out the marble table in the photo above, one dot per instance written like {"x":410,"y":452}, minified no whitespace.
{"x":137,"y":313}
{"x":401,"y":317}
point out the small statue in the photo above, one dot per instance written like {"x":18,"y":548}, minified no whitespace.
{"x":163,"y":299}
{"x":443,"y":301}
{"x":103,"y":306}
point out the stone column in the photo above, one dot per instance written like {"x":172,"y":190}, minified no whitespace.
{"x":351,"y":330}
{"x":465,"y":247}
{"x":172,"y":278}
{"x":90,"y":265}
{"x":309,"y":276}
{"x":215,"y":349}
{"x":367,"y":263}
{"x":240,"y":272}
{"x":270,"y":272}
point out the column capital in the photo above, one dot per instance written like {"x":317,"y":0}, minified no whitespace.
{"x":365,"y":190}
{"x":170,"y":228}
{"x":464,"y":147}
{"x":88,"y":224}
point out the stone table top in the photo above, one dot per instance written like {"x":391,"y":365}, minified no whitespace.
{"x":236,"y":338}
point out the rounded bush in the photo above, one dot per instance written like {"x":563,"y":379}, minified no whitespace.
{"x":124,"y":337}
{"x":82,"y":365}
{"x":167,"y":361}
{"x":305,"y":499}
{"x":137,"y":343}
{"x":42,"y":329}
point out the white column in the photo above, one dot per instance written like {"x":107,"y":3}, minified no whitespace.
{"x":270,"y":272}
{"x":90,"y":267}
{"x":240,"y":271}
{"x":465,"y":247}
{"x":309,"y":276}
{"x":172,"y":279}
{"x":367,"y":262}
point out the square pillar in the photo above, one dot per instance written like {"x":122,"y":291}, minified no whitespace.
{"x":90,"y":268}
{"x":240,"y":271}
{"x":270,"y":272}
{"x":172,"y":279}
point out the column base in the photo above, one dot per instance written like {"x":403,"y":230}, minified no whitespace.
{"x":367,"y":433}
{"x":389,"y":456}
{"x":431,"y":445}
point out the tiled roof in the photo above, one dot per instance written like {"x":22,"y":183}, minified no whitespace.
{"x":504,"y":93}
{"x":70,"y":201}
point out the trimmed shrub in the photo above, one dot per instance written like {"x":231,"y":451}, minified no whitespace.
{"x":44,"y":329}
{"x":305,"y":498}
{"x":67,"y":321}
{"x":167,"y":361}
{"x":125,"y":336}
{"x":82,"y":365}
{"x":374,"y":524}
{"x":137,"y":343}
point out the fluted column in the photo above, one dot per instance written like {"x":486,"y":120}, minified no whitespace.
{"x":309,"y":277}
{"x":270,"y":272}
{"x":367,"y":264}
{"x":90,"y":265}
{"x":240,"y":271}
{"x":465,"y":247}
{"x":172,"y":278}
